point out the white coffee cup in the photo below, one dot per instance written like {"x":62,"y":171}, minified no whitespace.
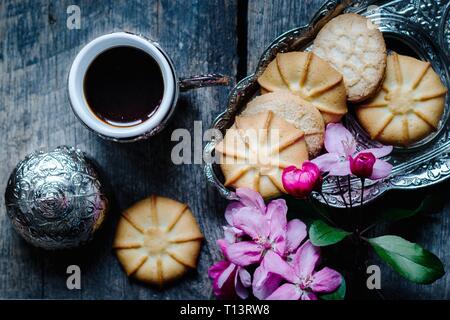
{"x":172,"y":86}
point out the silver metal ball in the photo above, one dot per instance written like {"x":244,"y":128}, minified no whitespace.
{"x":55,"y":199}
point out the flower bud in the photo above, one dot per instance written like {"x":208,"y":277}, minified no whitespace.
{"x":362,"y":165}
{"x":301,"y":182}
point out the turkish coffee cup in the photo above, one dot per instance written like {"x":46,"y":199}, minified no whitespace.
{"x":124,"y":87}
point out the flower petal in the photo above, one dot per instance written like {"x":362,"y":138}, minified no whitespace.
{"x":326,"y":161}
{"x":216,"y":269}
{"x":231,"y":234}
{"x":225,"y":275}
{"x":286,"y":292}
{"x":221,"y":273}
{"x":242,"y":281}
{"x":340,"y":169}
{"x":300,"y":183}
{"x":252,"y":222}
{"x":273,"y":263}
{"x":241,"y":291}
{"x":244,"y":253}
{"x":264,"y":283}
{"x":251,"y":198}
{"x":308,"y":296}
{"x":379,"y":152}
{"x":326,"y":280}
{"x":223,"y":246}
{"x":244,"y":277}
{"x":278,"y":205}
{"x":277,"y":210}
{"x":381,"y":169}
{"x":247,"y":198}
{"x":305,"y":259}
{"x":233,"y":207}
{"x":295,"y":234}
{"x":339,"y":140}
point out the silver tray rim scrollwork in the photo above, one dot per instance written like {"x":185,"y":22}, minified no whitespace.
{"x":432,"y":165}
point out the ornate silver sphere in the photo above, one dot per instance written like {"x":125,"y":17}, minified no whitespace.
{"x":55,"y":199}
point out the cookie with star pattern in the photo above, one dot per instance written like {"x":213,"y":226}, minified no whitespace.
{"x":157,"y":240}
{"x":410,"y":105}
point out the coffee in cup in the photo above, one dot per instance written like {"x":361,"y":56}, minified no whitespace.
{"x":125,"y":88}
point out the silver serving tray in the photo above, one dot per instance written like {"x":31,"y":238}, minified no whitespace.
{"x":418,"y":27}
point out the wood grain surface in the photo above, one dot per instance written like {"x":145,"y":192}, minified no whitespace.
{"x":227,"y":36}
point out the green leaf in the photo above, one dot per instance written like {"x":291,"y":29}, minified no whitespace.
{"x":339,"y":294}
{"x":409,"y":259}
{"x":322,"y":234}
{"x":396,"y":214}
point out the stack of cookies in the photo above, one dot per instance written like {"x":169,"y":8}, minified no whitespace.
{"x":398,"y":100}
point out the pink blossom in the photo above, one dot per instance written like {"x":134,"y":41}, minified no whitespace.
{"x":301,"y":182}
{"x":253,"y":230}
{"x":229,"y":280}
{"x":341,"y":147}
{"x":264,"y":281}
{"x":267,"y":232}
{"x":248,"y":198}
{"x":303,"y":282}
{"x":362,"y":165}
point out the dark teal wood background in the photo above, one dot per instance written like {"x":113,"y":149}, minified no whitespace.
{"x":36,"y":50}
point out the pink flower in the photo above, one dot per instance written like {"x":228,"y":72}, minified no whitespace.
{"x":341,"y":147}
{"x":362,"y":165}
{"x":303,"y":282}
{"x":267,"y":232}
{"x":229,"y":280}
{"x":248,"y":198}
{"x":254,"y":230}
{"x":301,"y":182}
{"x":264,"y":281}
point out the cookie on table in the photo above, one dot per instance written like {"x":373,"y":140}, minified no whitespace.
{"x":410,"y":105}
{"x":157,"y":240}
{"x":356,"y":48}
{"x":311,"y":79}
{"x":302,"y":114}
{"x":257,"y":148}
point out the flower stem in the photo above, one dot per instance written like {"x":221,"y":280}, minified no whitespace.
{"x":362,"y":191}
{"x":367,"y":229}
{"x":341,"y":192}
{"x":323,"y":197}
{"x":360,"y":215}
{"x":350,"y":191}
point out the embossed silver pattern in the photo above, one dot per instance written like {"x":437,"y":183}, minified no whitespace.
{"x":55,"y":199}
{"x":421,"y":25}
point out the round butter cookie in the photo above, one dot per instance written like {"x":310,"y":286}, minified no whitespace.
{"x":355,"y":47}
{"x":257,"y":148}
{"x":157,"y":240}
{"x":309,"y":77}
{"x":302,"y":114}
{"x":409,"y":106}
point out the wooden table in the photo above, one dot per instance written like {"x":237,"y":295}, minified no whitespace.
{"x":36,"y":51}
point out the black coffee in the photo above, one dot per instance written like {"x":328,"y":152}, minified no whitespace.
{"x":123,"y":86}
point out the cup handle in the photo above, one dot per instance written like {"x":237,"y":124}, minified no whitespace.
{"x":205,"y":80}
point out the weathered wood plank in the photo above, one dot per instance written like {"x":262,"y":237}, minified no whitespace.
{"x":269,"y":19}
{"x":429,"y":229}
{"x":36,"y":50}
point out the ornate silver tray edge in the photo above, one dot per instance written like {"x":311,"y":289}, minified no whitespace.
{"x":432,"y":168}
